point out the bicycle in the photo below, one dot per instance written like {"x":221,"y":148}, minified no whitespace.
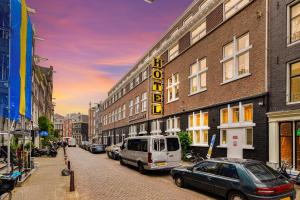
{"x":194,"y":157}
{"x":282,"y":170}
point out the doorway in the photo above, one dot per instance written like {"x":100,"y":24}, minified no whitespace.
{"x":235,"y":143}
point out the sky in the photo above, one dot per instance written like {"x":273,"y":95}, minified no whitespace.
{"x":93,"y":43}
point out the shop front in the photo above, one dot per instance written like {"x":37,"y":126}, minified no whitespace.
{"x":284,"y":139}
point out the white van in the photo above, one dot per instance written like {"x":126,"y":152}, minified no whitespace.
{"x":70,"y":141}
{"x":151,"y":152}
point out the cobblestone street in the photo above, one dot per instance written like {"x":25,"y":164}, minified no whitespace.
{"x":98,"y":177}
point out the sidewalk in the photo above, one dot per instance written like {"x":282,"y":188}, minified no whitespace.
{"x":46,"y":183}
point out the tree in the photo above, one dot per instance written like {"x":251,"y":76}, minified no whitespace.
{"x":185,"y":141}
{"x":43,"y":123}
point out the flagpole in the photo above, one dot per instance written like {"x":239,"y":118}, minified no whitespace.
{"x":8,"y":82}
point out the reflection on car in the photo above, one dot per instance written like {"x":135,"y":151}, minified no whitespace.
{"x":97,"y":148}
{"x":113,"y":151}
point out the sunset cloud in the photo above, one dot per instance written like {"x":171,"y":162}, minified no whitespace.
{"x":93,"y":43}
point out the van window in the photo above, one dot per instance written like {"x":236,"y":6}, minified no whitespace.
{"x":138,"y":145}
{"x":172,"y":144}
{"x":158,"y":144}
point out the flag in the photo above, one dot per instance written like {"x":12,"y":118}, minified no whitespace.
{"x":20,"y":75}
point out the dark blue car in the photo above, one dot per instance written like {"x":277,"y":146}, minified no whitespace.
{"x":236,"y":179}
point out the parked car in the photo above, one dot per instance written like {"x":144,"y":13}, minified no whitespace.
{"x":113,"y":151}
{"x":97,"y":148}
{"x":83,"y":144}
{"x":151,"y":152}
{"x":87,"y":146}
{"x":235,"y":179}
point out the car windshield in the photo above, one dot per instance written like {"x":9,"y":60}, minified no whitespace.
{"x":98,"y":146}
{"x":172,"y":144}
{"x":261,"y":172}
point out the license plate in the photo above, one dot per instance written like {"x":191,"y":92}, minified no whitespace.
{"x":286,"y":198}
{"x":161,"y":164}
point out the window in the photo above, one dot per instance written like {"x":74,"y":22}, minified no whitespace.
{"x":173,"y":52}
{"x":173,"y":125}
{"x":207,"y":167}
{"x":188,"y":19}
{"x":138,"y":145}
{"x":248,"y":113}
{"x":249,"y":137}
{"x":144,"y":102}
{"x":294,"y":23}
{"x":137,"y":104}
{"x":173,"y":88}
{"x":236,"y":58}
{"x":159,"y":144}
{"x":130,"y":107}
{"x":131,"y":85}
{"x":235,"y":114}
{"x":198,"y":128}
{"x":232,"y":6}
{"x":120,"y":113}
{"x":223,"y":137}
{"x":137,"y":80}
{"x":224,"y":116}
{"x":198,"y":76}
{"x":172,"y":144}
{"x":198,"y":33}
{"x":228,"y":170}
{"x":294,"y":82}
{"x":132,"y":130}
{"x":124,"y":111}
{"x":155,"y":127}
{"x":145,"y":75}
{"x":143,"y":129}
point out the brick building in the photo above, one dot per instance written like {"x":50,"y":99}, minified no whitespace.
{"x":214,"y":82}
{"x":284,"y":84}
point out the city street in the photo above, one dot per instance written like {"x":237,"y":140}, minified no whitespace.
{"x":98,"y":177}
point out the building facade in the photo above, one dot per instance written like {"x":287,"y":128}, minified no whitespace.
{"x":92,"y":118}
{"x":80,"y":131}
{"x":58,"y":124}
{"x":68,"y":126}
{"x":212,"y":81}
{"x":284,"y":82}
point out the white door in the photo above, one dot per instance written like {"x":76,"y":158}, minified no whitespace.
{"x":235,"y":143}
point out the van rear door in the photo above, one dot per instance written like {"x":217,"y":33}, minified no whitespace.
{"x":159,"y":153}
{"x":173,"y":151}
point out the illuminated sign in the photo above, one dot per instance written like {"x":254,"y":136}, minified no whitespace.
{"x":157,"y":87}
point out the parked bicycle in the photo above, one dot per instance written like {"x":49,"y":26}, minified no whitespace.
{"x":194,"y":157}
{"x":282,"y":170}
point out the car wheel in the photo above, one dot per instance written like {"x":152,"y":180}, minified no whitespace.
{"x":179,"y":181}
{"x":122,"y":162}
{"x":236,"y":196}
{"x":141,"y":168}
{"x":107,"y":154}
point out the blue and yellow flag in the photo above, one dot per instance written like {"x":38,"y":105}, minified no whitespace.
{"x":20,"y":75}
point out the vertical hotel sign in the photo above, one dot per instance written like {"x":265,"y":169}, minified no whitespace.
{"x":157,"y":87}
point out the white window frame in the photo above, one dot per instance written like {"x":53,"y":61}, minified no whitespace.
{"x":234,"y":57}
{"x":200,"y":128}
{"x":137,"y":80}
{"x":197,"y":75}
{"x":188,"y":19}
{"x":144,"y":75}
{"x":131,"y":107}
{"x":143,"y":129}
{"x":172,"y":87}
{"x":131,"y":85}
{"x":288,"y":87}
{"x":173,"y":52}
{"x":120,"y":113}
{"x":201,"y":34}
{"x":289,"y":9}
{"x":172,"y":125}
{"x":236,"y":7}
{"x":137,"y":104}
{"x":144,"y":102}
{"x":155,"y":127}
{"x":132,"y":131}
{"x":124,"y":111}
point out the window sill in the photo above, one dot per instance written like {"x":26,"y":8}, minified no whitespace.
{"x":290,"y":44}
{"x":248,"y":147}
{"x":222,"y":147}
{"x":200,"y":91}
{"x":199,"y":145}
{"x":236,"y":78}
{"x":172,"y":101}
{"x":236,"y":125}
{"x":292,"y":103}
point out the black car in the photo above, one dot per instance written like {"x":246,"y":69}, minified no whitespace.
{"x":236,"y":179}
{"x":97,"y":148}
